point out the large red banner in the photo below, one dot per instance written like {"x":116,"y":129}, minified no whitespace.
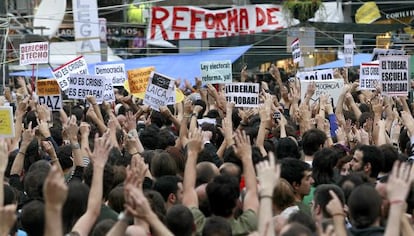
{"x":186,"y":22}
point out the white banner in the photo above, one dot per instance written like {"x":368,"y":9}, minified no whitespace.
{"x":34,"y":53}
{"x":114,"y":72}
{"x":385,"y":52}
{"x":394,"y":73}
{"x":348,"y":50}
{"x":327,"y":74}
{"x":82,"y":85}
{"x":296,"y":54}
{"x":87,"y":33}
{"x":243,"y":94}
{"x":54,"y":102}
{"x":159,"y":90}
{"x":331,"y":87}
{"x":76,"y":66}
{"x":369,"y":76}
{"x":108,"y":91}
{"x":216,"y":72}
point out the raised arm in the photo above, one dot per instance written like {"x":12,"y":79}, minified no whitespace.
{"x":99,"y":157}
{"x":18,"y":162}
{"x":3,"y":165}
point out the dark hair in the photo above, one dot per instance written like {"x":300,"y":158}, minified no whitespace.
{"x":32,"y":218}
{"x":364,"y":206}
{"x":321,"y":197}
{"x":283,"y":195}
{"x":296,"y":229}
{"x":149,"y":137}
{"x":312,"y":140}
{"x":303,"y":219}
{"x":293,"y":170}
{"x":64,"y":154}
{"x":223,"y":192}
{"x":286,"y":147}
{"x":349,"y":182}
{"x":103,"y":227}
{"x":157,"y":203}
{"x":180,"y":220}
{"x":206,"y":171}
{"x":165,"y":138}
{"x":323,"y":165}
{"x":216,"y":226}
{"x":166,"y":185}
{"x":77,"y":196}
{"x":163,"y":164}
{"x":116,"y":199}
{"x":373,"y":155}
{"x":108,"y":177}
{"x":35,"y":178}
{"x":390,"y":154}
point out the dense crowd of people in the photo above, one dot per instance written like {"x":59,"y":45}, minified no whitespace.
{"x":290,"y":166}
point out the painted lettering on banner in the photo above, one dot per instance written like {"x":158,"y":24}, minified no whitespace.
{"x":81,"y":86}
{"x":369,"y":76}
{"x":216,"y":72}
{"x":243,"y":94}
{"x":34,"y":53}
{"x":327,"y":74}
{"x":114,"y":72}
{"x":76,"y":66}
{"x":394,"y":73}
{"x":331,"y":87}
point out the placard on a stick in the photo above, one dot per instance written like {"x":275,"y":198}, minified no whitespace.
{"x":6,"y":122}
{"x":34,"y":53}
{"x":394,"y":73}
{"x":49,"y":93}
{"x":243,"y":94}
{"x":160,"y":88}
{"x":216,"y":72}
{"x":76,"y":66}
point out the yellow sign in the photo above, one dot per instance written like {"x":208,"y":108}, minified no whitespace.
{"x":47,"y":87}
{"x":138,"y":79}
{"x":6,"y":122}
{"x":367,"y":13}
{"x":179,"y":96}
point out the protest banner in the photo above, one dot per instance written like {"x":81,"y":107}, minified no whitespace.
{"x":296,"y":54}
{"x":216,"y":72}
{"x":138,"y":79}
{"x":394,"y":75}
{"x":76,"y":66}
{"x":327,"y":74}
{"x":348,"y":50}
{"x":159,"y":89}
{"x":243,"y":94}
{"x":377,"y":52}
{"x":81,"y":85}
{"x":6,"y":122}
{"x":108,"y":91}
{"x":49,"y":93}
{"x":114,"y":72}
{"x":187,"y":22}
{"x":369,"y":76}
{"x":332,"y":87}
{"x":34,"y":53}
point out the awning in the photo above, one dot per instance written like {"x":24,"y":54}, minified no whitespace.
{"x":358,"y":59}
{"x":185,"y":66}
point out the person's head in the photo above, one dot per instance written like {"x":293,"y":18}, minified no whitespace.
{"x":107,"y":178}
{"x":180,"y":220}
{"x":295,"y":229}
{"x":312,"y":141}
{"x":77,"y":196}
{"x":223,"y":192}
{"x":116,"y":199}
{"x":157,"y":203}
{"x":390,"y":154}
{"x":103,"y":227}
{"x":216,"y":226}
{"x":229,"y":168}
{"x":283,"y":196}
{"x":206,"y":171}
{"x":165,"y":139}
{"x":303,"y":219}
{"x":364,"y":206}
{"x":321,"y":198}
{"x":162,"y":164}
{"x":32,"y":218}
{"x":323,"y":165}
{"x":287,"y":147}
{"x":343,"y":165}
{"x":299,"y":175}
{"x":149,"y":137}
{"x":171,"y":189}
{"x":34,"y":179}
{"x":367,"y":159}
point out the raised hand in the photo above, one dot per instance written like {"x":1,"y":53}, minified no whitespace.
{"x":268,"y":174}
{"x":399,"y":182}
{"x":101,"y":150}
{"x":242,"y":147}
{"x":8,"y":218}
{"x":195,"y":141}
{"x":55,"y":189}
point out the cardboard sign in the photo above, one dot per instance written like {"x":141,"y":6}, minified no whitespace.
{"x":331,"y":87}
{"x":138,"y":79}
{"x":108,"y":91}
{"x":6,"y":122}
{"x":159,"y":90}
{"x":76,"y":66}
{"x":377,"y":52}
{"x":114,"y":72}
{"x":216,"y":72}
{"x":186,"y":22}
{"x":54,"y":102}
{"x":34,"y":53}
{"x":82,"y":85}
{"x":327,"y":74}
{"x":394,"y":73}
{"x":47,"y":87}
{"x":348,"y":50}
{"x":243,"y":94}
{"x":296,"y":54}
{"x":369,"y":76}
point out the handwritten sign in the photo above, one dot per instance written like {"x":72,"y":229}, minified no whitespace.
{"x":159,"y":90}
{"x":54,"y":102}
{"x":81,"y":86}
{"x":243,"y":94}
{"x":114,"y":72}
{"x":348,"y":50}
{"x":369,"y":76}
{"x":327,"y":74}
{"x":394,"y":75}
{"x":138,"y":79}
{"x":6,"y":122}
{"x":76,"y":66}
{"x":47,"y":87}
{"x":296,"y":54}
{"x":216,"y":72}
{"x":34,"y":53}
{"x":332,"y":87}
